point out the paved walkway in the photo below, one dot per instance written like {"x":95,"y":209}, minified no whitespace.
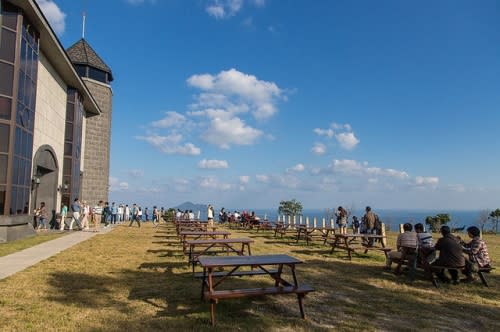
{"x":23,"y":259}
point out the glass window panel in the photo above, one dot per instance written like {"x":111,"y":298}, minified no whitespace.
{"x":9,"y":15}
{"x":27,"y":92}
{"x":68,"y":135}
{"x":68,"y":148}
{"x":22,"y":168}
{"x":19,"y":201}
{"x":67,"y":167}
{"x":2,"y":199}
{"x":17,"y":142}
{"x":8,"y":45}
{"x":97,"y":74}
{"x":15,"y":171}
{"x":33,"y":95}
{"x":24,"y":141}
{"x":5,"y":108}
{"x":70,"y":114}
{"x":35,"y":66}
{"x":23,"y":55}
{"x":7,"y":75}
{"x":4,"y":137}
{"x":13,"y":198}
{"x":20,"y":91}
{"x":27,"y":173}
{"x":3,"y":168}
{"x":30,"y":146}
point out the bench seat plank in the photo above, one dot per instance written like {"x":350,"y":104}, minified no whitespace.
{"x":236,"y":293}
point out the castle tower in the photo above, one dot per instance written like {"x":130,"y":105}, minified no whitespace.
{"x":97,"y":77}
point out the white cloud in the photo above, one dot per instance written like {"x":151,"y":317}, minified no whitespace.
{"x":262,"y":178}
{"x":220,"y":9}
{"x":213,"y":183}
{"x":225,"y":132}
{"x":212,"y":164}
{"x":170,"y":144}
{"x":116,"y":185}
{"x":244,"y":179}
{"x":172,"y":119}
{"x":426,"y":181}
{"x":54,"y":15}
{"x":324,"y":132}
{"x":260,"y":96}
{"x":319,"y":149}
{"x":140,"y":2}
{"x":347,"y":140}
{"x":296,"y":168}
{"x":136,"y":173}
{"x":459,"y":188}
{"x":259,"y":3}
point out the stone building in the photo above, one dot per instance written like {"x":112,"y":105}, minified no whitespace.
{"x":55,"y":119}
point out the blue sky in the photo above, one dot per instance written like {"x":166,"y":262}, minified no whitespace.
{"x":244,"y":103}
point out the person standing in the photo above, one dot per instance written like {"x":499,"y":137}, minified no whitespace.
{"x":146,"y":214}
{"x":64,"y":213}
{"x":75,"y":208}
{"x":341,"y":214}
{"x":106,"y":214}
{"x":41,"y":213}
{"x":210,"y":215}
{"x":86,"y":215}
{"x":369,"y":220}
{"x":126,"y":216}
{"x":120,"y":213}
{"x":135,"y":216}
{"x":114,"y":213}
{"x":97,"y":215}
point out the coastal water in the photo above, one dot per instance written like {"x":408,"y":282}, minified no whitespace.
{"x":391,"y":218}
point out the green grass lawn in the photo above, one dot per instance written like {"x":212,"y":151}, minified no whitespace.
{"x":138,"y":280}
{"x":40,"y":237}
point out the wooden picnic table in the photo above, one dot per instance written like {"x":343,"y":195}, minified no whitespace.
{"x":308,"y":233}
{"x":196,"y":235}
{"x":260,"y":265}
{"x":224,"y":245}
{"x":348,"y":243}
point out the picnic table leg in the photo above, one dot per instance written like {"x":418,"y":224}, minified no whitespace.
{"x":212,"y":311}
{"x":203,"y":281}
{"x":278,"y":275}
{"x":349,"y":249}
{"x":301,"y":306}
{"x":483,"y":278}
{"x":334,"y":245}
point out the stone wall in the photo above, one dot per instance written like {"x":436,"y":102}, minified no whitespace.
{"x":95,"y":182}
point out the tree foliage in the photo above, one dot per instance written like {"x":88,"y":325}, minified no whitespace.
{"x":290,"y":208}
{"x":495,"y":218}
{"x":435,"y":222}
{"x":483,"y":219}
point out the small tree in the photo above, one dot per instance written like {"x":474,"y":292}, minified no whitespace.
{"x":495,"y":218}
{"x":482,"y":220}
{"x":437,"y":221}
{"x":290,"y":208}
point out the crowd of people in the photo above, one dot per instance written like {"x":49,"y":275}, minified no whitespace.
{"x":451,"y":250}
{"x":80,"y":215}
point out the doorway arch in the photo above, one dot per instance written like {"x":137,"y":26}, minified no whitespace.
{"x":45,"y":178}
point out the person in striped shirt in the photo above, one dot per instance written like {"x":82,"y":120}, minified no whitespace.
{"x":408,"y":239}
{"x":426,"y":250}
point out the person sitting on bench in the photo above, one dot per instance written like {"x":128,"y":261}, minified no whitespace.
{"x":450,"y":255}
{"x":426,"y":251}
{"x":478,"y":253}
{"x":408,"y":239}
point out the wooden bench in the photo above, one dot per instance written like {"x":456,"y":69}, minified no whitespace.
{"x":216,"y":295}
{"x":480,"y":273}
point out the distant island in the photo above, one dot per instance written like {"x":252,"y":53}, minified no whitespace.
{"x":191,"y":206}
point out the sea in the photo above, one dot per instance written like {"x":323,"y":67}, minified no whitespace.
{"x":392,"y":218}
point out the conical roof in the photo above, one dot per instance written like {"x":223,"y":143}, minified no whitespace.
{"x":82,"y":53}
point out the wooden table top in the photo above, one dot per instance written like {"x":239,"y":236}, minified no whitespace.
{"x":211,"y":241}
{"x":220,"y":261}
{"x":373,"y":236}
{"x":205,"y":233}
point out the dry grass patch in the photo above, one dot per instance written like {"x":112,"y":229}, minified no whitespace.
{"x":138,"y":279}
